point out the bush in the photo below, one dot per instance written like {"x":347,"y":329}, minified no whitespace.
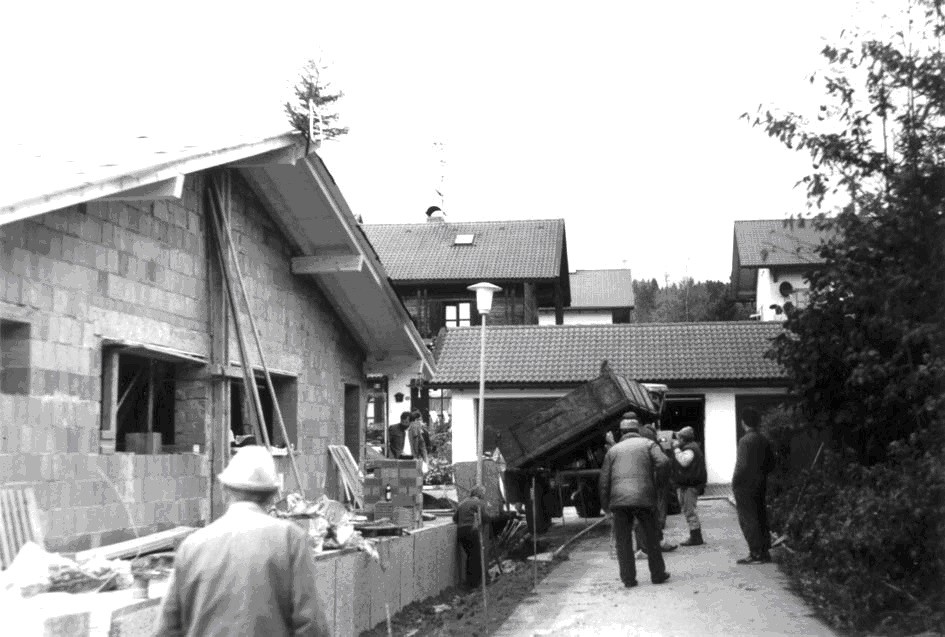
{"x":441,"y":454}
{"x":867,"y":540}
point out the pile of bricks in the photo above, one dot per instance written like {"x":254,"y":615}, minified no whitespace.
{"x":405,"y":478}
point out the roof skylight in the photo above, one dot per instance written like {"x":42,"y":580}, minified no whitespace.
{"x":463,"y":240}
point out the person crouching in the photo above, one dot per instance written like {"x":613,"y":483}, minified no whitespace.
{"x":470,"y":516}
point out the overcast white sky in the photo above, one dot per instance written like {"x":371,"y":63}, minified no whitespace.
{"x":620,"y":117}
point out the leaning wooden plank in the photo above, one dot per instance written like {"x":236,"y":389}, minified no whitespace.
{"x":351,"y":467}
{"x":160,"y":541}
{"x":7,"y":549}
{"x":342,"y":457}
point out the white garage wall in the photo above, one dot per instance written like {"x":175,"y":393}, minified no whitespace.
{"x":465,"y":417}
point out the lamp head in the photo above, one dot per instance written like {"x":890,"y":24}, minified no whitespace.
{"x":484,"y":292}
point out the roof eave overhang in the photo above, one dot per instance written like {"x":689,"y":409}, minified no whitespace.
{"x":335,"y":254}
{"x":145,"y":177}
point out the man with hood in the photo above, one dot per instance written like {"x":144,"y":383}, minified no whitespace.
{"x":628,"y":487}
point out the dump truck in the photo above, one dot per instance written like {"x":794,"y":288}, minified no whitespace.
{"x":559,"y":450}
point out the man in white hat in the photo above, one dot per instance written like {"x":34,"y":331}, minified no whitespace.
{"x":248,"y":573}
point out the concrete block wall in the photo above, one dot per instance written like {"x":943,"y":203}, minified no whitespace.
{"x":404,"y":477}
{"x":90,"y":499}
{"x":357,"y":592}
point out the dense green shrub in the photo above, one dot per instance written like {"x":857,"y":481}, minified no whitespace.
{"x":867,"y":546}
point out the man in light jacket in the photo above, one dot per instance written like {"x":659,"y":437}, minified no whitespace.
{"x":628,"y":487}
{"x":248,"y":573}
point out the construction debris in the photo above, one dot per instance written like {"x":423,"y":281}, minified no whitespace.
{"x":34,"y":571}
{"x":329,"y":523}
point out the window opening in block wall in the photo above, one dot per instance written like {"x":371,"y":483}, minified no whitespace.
{"x":145,"y":404}
{"x":352,"y":419}
{"x":139,"y":400}
{"x":14,"y":357}
{"x":457,"y":314}
{"x":242,"y":410}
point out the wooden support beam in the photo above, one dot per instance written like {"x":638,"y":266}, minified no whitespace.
{"x":172,"y":188}
{"x":328,"y":264}
{"x":109,"y":425}
{"x":288,"y":156}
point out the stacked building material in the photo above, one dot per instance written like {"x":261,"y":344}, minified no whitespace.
{"x":405,"y":479}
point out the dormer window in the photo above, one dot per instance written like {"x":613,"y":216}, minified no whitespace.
{"x":463,"y":240}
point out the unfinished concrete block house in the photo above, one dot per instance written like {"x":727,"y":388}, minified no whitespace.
{"x":121,"y":377}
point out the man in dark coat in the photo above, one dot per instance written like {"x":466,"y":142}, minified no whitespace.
{"x":470,"y":516}
{"x":690,"y":475}
{"x":753,"y":462}
{"x":406,"y":438}
{"x":628,"y":489}
{"x":663,"y":489}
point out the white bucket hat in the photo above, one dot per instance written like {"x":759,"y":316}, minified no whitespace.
{"x":251,"y":469}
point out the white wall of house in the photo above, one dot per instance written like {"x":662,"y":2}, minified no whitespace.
{"x":720,"y":426}
{"x":400,"y":382}
{"x":577,"y":317}
{"x":768,"y":292}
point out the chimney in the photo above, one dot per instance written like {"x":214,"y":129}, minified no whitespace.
{"x":435,"y":215}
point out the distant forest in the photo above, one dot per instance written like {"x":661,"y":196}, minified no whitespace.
{"x":686,"y":301}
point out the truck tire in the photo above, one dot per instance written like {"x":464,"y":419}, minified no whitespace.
{"x":541,"y":510}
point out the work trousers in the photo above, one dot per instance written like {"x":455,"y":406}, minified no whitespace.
{"x":753,"y":518}
{"x":623,"y":530}
{"x":688,"y":498}
{"x":469,"y":540}
{"x":662,"y":508}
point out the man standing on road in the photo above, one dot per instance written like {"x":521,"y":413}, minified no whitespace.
{"x":628,"y":490}
{"x":470,"y":516}
{"x":248,"y":573}
{"x":690,"y":477}
{"x":663,"y":488}
{"x":753,"y":462}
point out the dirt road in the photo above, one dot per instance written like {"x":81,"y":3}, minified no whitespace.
{"x":708,"y":594}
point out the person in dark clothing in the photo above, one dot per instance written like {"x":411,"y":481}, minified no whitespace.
{"x":648,"y":431}
{"x":406,"y":438}
{"x":753,"y":462}
{"x":690,"y":476}
{"x":470,"y":517}
{"x":628,"y":489}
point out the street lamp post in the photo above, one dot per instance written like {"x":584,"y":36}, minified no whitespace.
{"x":484,"y":292}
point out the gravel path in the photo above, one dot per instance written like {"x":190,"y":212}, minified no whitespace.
{"x":708,"y":594}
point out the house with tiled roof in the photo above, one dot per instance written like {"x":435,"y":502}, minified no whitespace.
{"x":713,"y":371}
{"x":770,"y":261}
{"x":598,"y":297}
{"x":432,"y":264}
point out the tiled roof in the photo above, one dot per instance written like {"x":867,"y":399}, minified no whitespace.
{"x":601,"y":288}
{"x":657,"y":352}
{"x":499,"y":250}
{"x":773,"y":242}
